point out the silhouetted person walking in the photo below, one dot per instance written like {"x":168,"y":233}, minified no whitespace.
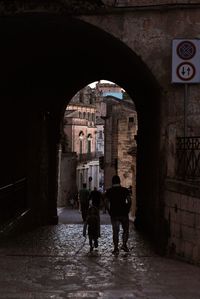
{"x":93,"y":224}
{"x":95,"y":197}
{"x":118,"y":203}
{"x":84,"y":201}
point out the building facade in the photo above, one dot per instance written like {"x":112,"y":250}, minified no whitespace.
{"x":80,"y":131}
{"x":120,"y":144}
{"x":107,"y":89}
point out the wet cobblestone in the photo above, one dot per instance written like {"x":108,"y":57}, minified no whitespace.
{"x":54,"y":262}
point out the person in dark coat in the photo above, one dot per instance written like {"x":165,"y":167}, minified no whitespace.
{"x":118,"y":203}
{"x":92,"y":223}
{"x":95,"y":197}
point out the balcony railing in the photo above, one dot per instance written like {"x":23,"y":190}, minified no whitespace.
{"x":12,"y":199}
{"x":188,"y":157}
{"x":89,"y":156}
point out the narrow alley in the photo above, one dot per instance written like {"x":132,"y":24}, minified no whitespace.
{"x":55,"y":262}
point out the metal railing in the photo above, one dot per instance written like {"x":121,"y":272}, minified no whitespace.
{"x":188,"y":157}
{"x":89,"y":156}
{"x":12,"y":199}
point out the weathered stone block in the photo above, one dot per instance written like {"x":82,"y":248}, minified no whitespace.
{"x":196,"y":253}
{"x":188,"y":250}
{"x":189,"y":234}
{"x":188,"y":219}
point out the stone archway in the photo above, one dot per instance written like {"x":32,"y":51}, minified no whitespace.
{"x":47,"y":60}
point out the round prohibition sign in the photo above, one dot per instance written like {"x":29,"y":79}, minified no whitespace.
{"x":185,"y":71}
{"x":186,"y":50}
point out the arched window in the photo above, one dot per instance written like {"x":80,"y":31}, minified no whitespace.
{"x":91,"y":99}
{"x":89,"y":143}
{"x":81,"y":136}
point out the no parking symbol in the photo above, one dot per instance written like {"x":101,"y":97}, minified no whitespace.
{"x":186,"y":61}
{"x":186,"y":50}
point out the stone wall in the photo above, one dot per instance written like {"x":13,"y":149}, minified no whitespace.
{"x":120,"y":130}
{"x":127,"y":162}
{"x":134,"y":3}
{"x":67,"y":178}
{"x":182,"y":215}
{"x":79,"y":7}
{"x":126,"y":132}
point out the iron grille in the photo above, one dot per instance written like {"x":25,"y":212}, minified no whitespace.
{"x":188,"y":157}
{"x":88,"y":156}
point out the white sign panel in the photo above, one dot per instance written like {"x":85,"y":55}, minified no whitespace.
{"x":186,"y":61}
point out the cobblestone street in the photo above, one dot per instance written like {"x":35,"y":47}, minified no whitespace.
{"x":54,"y":262}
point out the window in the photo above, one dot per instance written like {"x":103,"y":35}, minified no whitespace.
{"x":81,"y":147}
{"x":81,"y":136}
{"x":89,"y":146}
{"x":89,"y":143}
{"x":131,"y":119}
{"x":91,"y":99}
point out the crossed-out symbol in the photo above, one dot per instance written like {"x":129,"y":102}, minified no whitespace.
{"x":186,"y":50}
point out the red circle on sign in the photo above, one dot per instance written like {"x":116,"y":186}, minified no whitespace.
{"x":193,"y":71}
{"x":186,"y":50}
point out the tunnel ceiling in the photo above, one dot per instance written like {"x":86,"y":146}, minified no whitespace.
{"x":59,"y":55}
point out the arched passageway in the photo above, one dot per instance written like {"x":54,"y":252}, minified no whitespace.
{"x":45,"y":60}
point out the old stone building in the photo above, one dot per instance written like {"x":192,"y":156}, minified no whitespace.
{"x":120,"y":132}
{"x":109,"y":89}
{"x":79,"y":140}
{"x":83,"y":138}
{"x":67,"y":187}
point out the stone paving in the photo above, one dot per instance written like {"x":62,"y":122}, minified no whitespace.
{"x":54,"y":262}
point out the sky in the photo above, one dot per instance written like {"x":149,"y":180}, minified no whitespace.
{"x":93,"y":84}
